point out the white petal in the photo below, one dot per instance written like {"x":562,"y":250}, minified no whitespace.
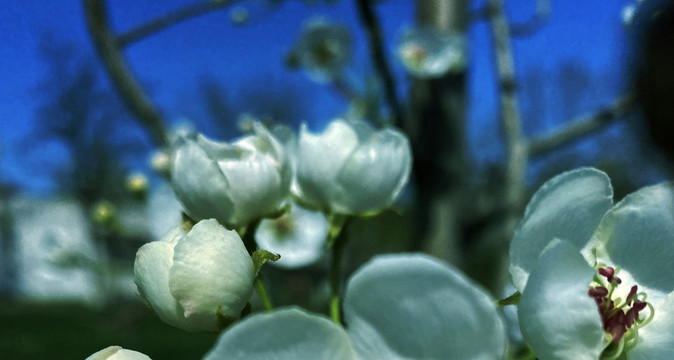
{"x":199,"y":183}
{"x":375,"y":173}
{"x":285,"y":334}
{"x":117,"y":353}
{"x":412,"y":306}
{"x":319,"y":160}
{"x":151,"y":275}
{"x":211,"y":272}
{"x":557,"y":317}
{"x":637,"y":234}
{"x":567,"y":207}
{"x":254,"y":187}
{"x":298,"y":236}
{"x":656,"y":339}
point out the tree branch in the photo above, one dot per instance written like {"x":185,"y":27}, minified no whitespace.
{"x":121,"y":76}
{"x":376,"y":47}
{"x":582,"y":126}
{"x":167,"y":20}
{"x":516,"y":145}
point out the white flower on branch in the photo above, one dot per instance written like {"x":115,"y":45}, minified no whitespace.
{"x":430,"y":53}
{"x":323,"y":50}
{"x":351,"y":168}
{"x":234,"y":183}
{"x":196,"y":280}
{"x":596,"y":279}
{"x":298,"y":236}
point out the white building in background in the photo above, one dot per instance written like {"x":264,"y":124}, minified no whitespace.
{"x":55,"y":256}
{"x":57,"y":259}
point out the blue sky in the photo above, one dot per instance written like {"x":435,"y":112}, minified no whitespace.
{"x":171,"y":62}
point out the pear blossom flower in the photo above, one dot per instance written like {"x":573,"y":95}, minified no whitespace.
{"x":428,"y":53}
{"x":298,"y":236}
{"x":596,"y":279}
{"x":196,"y":280}
{"x":117,"y":353}
{"x":395,"y":307}
{"x":351,"y":168}
{"x":323,"y":49}
{"x":233,"y":183}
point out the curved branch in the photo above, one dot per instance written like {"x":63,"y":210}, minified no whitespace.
{"x":121,"y":76}
{"x":510,"y":114}
{"x":582,"y":126}
{"x":167,"y":20}
{"x":376,"y":46}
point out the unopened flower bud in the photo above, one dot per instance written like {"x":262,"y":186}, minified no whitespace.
{"x":196,"y":280}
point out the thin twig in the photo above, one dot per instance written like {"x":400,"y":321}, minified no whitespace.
{"x":167,"y":20}
{"x":582,"y":126}
{"x":121,"y":76}
{"x":516,"y":145}
{"x":376,"y":46}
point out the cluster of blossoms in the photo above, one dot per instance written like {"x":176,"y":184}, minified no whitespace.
{"x":596,"y":278}
{"x":200,"y":277}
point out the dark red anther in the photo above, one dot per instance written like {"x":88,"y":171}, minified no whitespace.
{"x":633,"y":313}
{"x":609,"y":273}
{"x":615,"y":325}
{"x":597,"y":292}
{"x":632,"y":295}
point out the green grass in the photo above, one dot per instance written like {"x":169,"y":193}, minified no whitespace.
{"x":70,"y":331}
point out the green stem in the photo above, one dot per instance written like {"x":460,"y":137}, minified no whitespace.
{"x":264,"y":297}
{"x":336,"y":241}
{"x":335,"y":272}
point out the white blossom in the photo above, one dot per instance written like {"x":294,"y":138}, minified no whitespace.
{"x":196,"y":280}
{"x":395,"y":307}
{"x":234,"y":183}
{"x":351,"y":168}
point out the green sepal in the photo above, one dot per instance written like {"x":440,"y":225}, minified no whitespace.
{"x":513,"y":299}
{"x":262,"y":256}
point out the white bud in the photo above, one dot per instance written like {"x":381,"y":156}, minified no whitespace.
{"x":196,"y":280}
{"x":234,"y":183}
{"x":350,"y":168}
{"x":117,"y":353}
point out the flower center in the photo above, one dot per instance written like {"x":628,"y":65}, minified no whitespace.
{"x":621,"y":318}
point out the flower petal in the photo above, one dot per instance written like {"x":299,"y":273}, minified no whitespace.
{"x":285,"y":334}
{"x":151,"y":275}
{"x":254,"y":187}
{"x":319,"y":160}
{"x":637,"y":234}
{"x":298,"y":236}
{"x":199,"y":183}
{"x":211,"y":272}
{"x":567,"y":207}
{"x":117,"y":353}
{"x":656,"y":339}
{"x":412,"y":306}
{"x":557,"y":317}
{"x":375,"y":173}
